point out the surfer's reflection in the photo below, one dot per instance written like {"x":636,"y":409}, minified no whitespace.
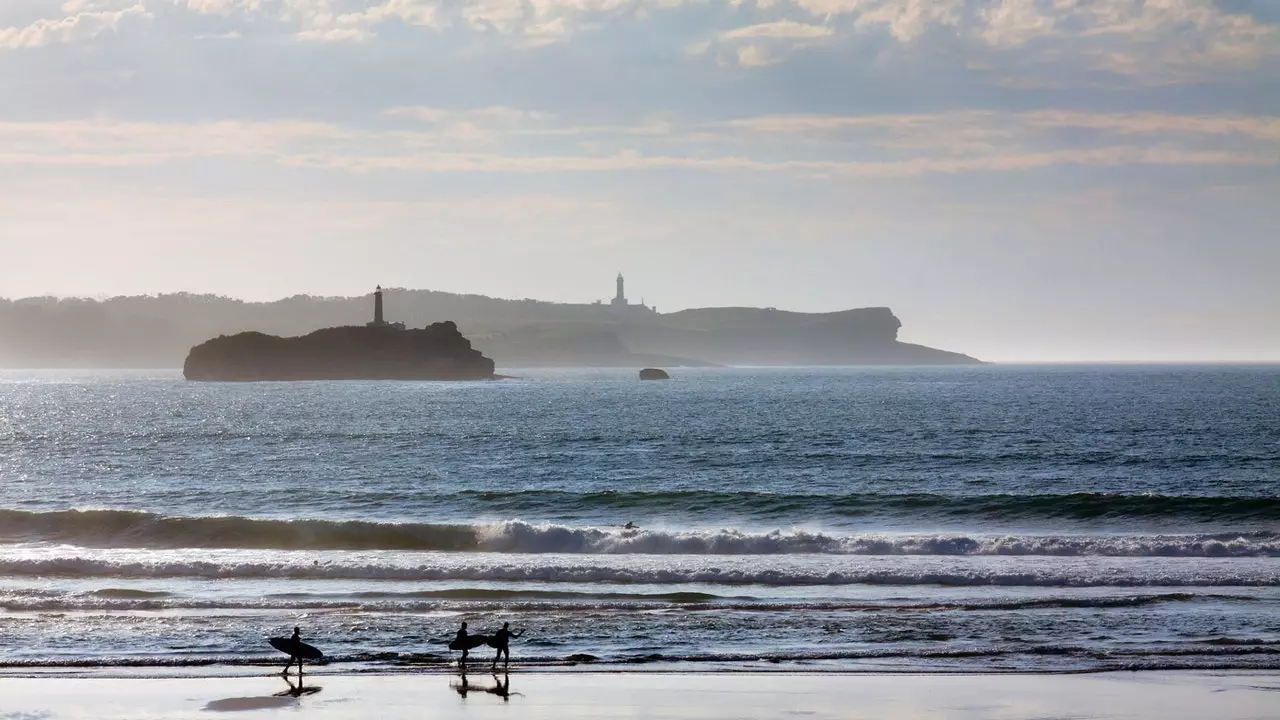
{"x":461,"y":687}
{"x":501,"y":686}
{"x":297,"y":690}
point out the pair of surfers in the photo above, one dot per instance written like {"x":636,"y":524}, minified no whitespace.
{"x":500,"y":641}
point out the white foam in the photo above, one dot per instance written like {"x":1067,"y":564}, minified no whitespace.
{"x":774,"y":570}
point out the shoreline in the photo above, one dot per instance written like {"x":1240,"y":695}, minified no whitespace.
{"x":262,"y":670}
{"x":1094,"y":696}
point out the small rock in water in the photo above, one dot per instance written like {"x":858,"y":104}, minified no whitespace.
{"x":654,"y":374}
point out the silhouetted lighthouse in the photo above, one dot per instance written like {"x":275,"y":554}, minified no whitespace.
{"x":620,"y":300}
{"x":377,"y":307}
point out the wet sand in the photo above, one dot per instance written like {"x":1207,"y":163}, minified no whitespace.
{"x":1166,"y":695}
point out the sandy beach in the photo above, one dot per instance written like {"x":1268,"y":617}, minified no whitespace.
{"x":1167,"y":695}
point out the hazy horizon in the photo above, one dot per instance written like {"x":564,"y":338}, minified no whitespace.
{"x":1019,"y":180}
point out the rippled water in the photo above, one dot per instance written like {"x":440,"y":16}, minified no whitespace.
{"x":1049,"y":518}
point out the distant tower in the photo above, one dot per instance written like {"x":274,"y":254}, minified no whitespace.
{"x":377,"y":307}
{"x":620,"y":300}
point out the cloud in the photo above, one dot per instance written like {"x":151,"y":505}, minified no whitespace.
{"x":975,"y":132}
{"x":907,"y":20}
{"x":506,"y":140}
{"x":1010,"y":23}
{"x":84,"y":25}
{"x":1146,"y":41}
{"x":763,"y":44}
{"x":530,"y":23}
{"x":221,"y":7}
{"x":1020,"y":43}
{"x":1261,"y":128}
{"x":780,"y":29}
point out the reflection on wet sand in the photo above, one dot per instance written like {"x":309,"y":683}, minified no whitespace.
{"x":284,"y":698}
{"x":501,"y":685}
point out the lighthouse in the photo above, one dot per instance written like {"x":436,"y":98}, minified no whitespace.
{"x":619,"y":300}
{"x":378,"y":320}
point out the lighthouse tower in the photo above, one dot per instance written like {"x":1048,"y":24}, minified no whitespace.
{"x":619,"y":300}
{"x":378,"y":320}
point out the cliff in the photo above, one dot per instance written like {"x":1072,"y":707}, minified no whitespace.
{"x":158,"y":331}
{"x":386,"y":352}
{"x":719,"y":336}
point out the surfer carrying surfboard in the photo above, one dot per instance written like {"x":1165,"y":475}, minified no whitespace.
{"x":465,"y":642}
{"x":295,"y":649}
{"x":294,"y":655}
{"x":501,"y":642}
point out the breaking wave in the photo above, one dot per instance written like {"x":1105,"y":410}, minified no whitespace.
{"x":475,"y":600}
{"x":129,"y":529}
{"x":958,"y":572}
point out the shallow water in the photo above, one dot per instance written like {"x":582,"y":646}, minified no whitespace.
{"x":989,"y":518}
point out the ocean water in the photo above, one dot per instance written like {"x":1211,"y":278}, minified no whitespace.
{"x":871,"y":519}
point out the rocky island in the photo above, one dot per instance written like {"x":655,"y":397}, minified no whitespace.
{"x":376,"y":351}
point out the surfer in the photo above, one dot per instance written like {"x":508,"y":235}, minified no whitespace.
{"x":294,"y":655}
{"x":296,"y":650}
{"x":461,"y":643}
{"x":501,"y":641}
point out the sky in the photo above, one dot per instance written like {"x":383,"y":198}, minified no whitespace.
{"x":1020,"y":180}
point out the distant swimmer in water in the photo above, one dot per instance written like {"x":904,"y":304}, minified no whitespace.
{"x":630,"y":526}
{"x":501,"y":642}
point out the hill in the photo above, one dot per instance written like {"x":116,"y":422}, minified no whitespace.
{"x":158,"y":331}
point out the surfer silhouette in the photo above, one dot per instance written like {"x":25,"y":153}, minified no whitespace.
{"x":294,"y":655}
{"x":465,"y":643}
{"x":295,"y":649}
{"x":501,"y":642}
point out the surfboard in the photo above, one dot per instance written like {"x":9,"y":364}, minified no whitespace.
{"x":472,"y":642}
{"x":296,"y":648}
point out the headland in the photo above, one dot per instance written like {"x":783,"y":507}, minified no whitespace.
{"x":158,"y":331}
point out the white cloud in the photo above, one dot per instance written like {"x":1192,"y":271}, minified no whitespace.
{"x":855,"y":146}
{"x":1153,"y":41}
{"x":908,"y":20}
{"x":84,"y":25}
{"x":1257,"y":127}
{"x":1013,"y":22}
{"x":220,"y":7}
{"x":766,"y":43}
{"x":784,"y":29}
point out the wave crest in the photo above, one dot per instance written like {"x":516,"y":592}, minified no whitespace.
{"x":129,"y":529}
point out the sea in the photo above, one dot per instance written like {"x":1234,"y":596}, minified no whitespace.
{"x":956,"y":519}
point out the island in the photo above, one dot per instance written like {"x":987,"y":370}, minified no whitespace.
{"x":376,"y":351}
